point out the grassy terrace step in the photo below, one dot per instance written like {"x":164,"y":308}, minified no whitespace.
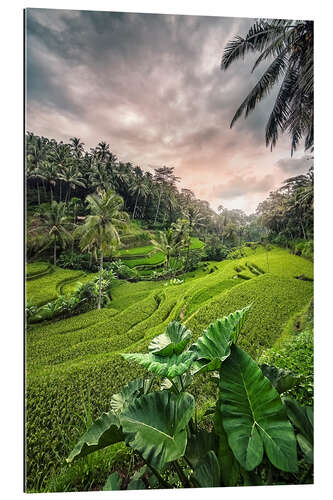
{"x":48,"y":287}
{"x":35,"y":270}
{"x":274,"y":300}
{"x":69,"y":359}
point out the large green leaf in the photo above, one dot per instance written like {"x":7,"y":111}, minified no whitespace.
{"x":155,"y":426}
{"x":199,"y":444}
{"x":302,"y":419}
{"x":172,"y":341}
{"x":133,"y":389}
{"x":229,"y":466}
{"x":282,"y":380}
{"x":207,"y":472}
{"x":213,"y":347}
{"x":253,"y":415}
{"x":113,"y":482}
{"x":164,"y":366}
{"x":103,"y":432}
{"x":136,"y":484}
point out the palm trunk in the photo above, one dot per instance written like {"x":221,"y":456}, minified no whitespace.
{"x":55,"y":253}
{"x":100,"y":280}
{"x":44,"y":189}
{"x":136,"y":202}
{"x":51,"y":191}
{"x":60,"y":191}
{"x":158,"y":206}
{"x":38,"y":193}
{"x":303,"y":230}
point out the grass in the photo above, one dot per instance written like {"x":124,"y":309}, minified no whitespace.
{"x":49,"y":286}
{"x":69,"y":360}
{"x":36,"y":269}
{"x":293,"y":351}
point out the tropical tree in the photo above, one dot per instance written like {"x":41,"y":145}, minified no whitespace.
{"x":167,"y":244}
{"x":77,"y":146}
{"x":100,"y":229}
{"x":54,"y":226}
{"x":288,"y":46}
{"x":164,"y":177}
{"x":72,"y":177}
{"x":50,"y":172}
{"x":139,"y":188}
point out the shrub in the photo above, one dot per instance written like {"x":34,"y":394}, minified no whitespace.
{"x":308,"y":250}
{"x":122,"y":271}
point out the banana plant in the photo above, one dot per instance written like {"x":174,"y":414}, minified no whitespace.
{"x":253,"y":426}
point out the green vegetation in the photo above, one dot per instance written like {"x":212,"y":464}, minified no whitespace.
{"x":50,"y":285}
{"x":132,"y":262}
{"x":249,"y":417}
{"x":71,"y":358}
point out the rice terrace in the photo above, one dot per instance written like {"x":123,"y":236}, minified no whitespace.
{"x":169,"y":339}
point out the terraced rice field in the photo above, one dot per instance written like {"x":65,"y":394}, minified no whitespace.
{"x":73,"y":360}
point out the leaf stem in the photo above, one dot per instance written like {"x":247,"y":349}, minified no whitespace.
{"x":184,"y":480}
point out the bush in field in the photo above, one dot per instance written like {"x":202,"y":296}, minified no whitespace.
{"x":308,"y":250}
{"x":192,"y":260}
{"x":257,"y":437}
{"x":84,"y":299}
{"x":215,"y":250}
{"x":72,"y":260}
{"x":122,"y":271}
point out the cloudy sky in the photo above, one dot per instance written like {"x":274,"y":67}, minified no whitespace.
{"x":151,"y":86}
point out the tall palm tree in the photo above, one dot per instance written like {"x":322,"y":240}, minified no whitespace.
{"x":101,"y":226}
{"x":72,"y":177}
{"x":99,"y":177}
{"x":50,"y":172}
{"x":77,"y":146}
{"x":139,"y":188}
{"x":288,"y":45}
{"x":54,"y":225}
{"x":165,"y":243}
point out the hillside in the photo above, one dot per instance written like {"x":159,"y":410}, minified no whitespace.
{"x":77,"y":359}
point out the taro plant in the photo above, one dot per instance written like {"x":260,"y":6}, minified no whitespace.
{"x":252,"y":439}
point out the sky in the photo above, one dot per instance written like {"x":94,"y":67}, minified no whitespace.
{"x":151,"y":86}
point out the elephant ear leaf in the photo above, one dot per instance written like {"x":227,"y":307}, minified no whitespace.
{"x":133,"y":389}
{"x":172,"y":341}
{"x":282,"y":380}
{"x":302,"y":419}
{"x":113,"y":482}
{"x":103,"y":432}
{"x":169,"y":367}
{"x":155,"y":426}
{"x":136,"y":484}
{"x":207,"y":472}
{"x":229,"y":466}
{"x":213,"y":347}
{"x":199,"y":444}
{"x":253,"y":415}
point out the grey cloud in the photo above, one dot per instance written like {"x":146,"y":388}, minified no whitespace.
{"x":241,"y":186}
{"x":294,"y":166}
{"x":152,"y":87}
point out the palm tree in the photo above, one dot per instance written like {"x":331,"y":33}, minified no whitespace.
{"x":54,"y":225}
{"x":101,"y":227}
{"x":77,"y":146}
{"x":50,"y":172}
{"x":290,"y":45}
{"x":139,"y":188}
{"x":99,"y":177}
{"x":71,"y":176}
{"x":166,"y":244}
